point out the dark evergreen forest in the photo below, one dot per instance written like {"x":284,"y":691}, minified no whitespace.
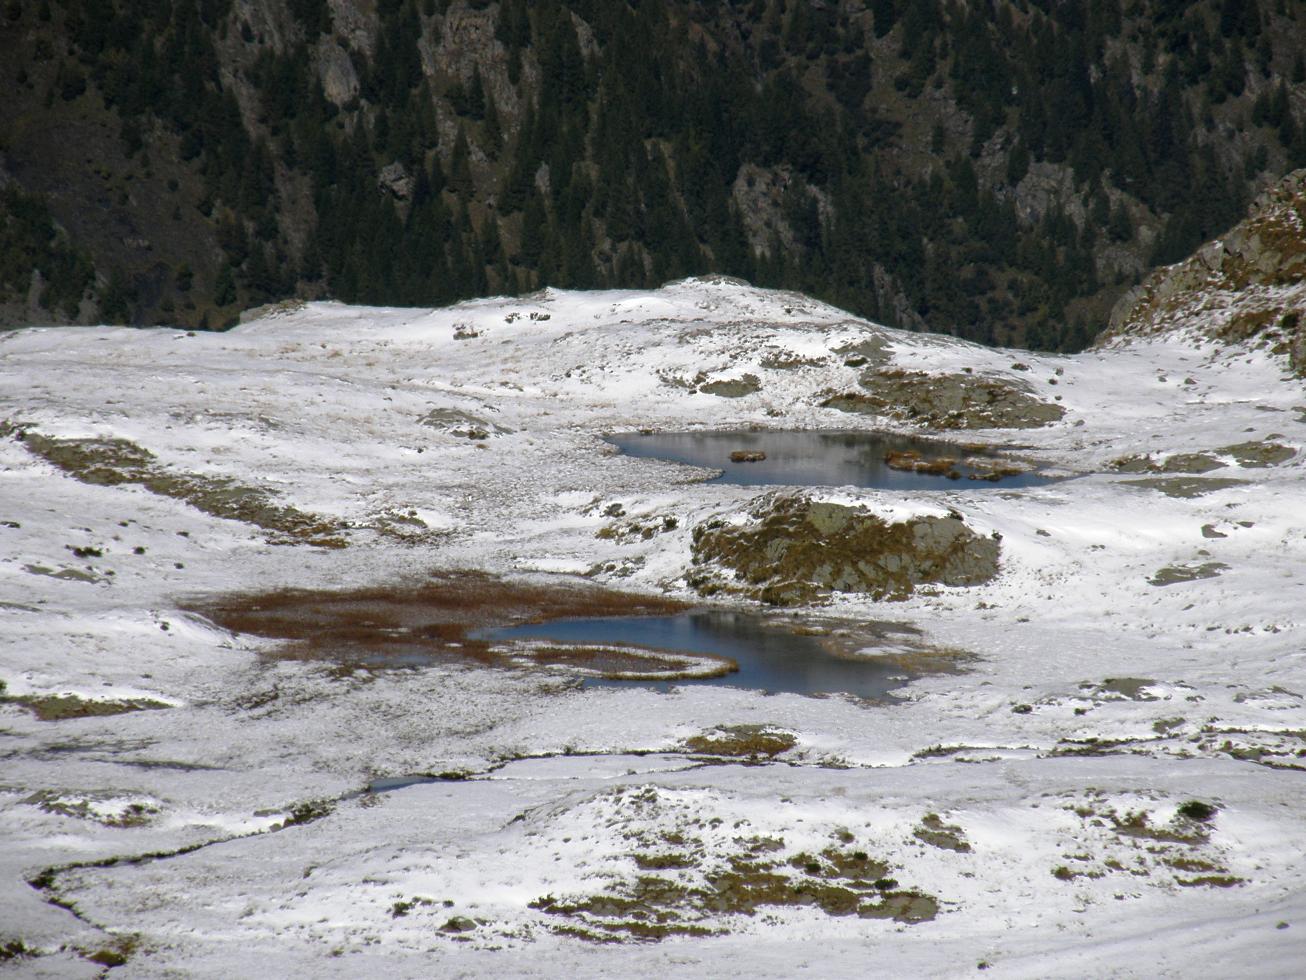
{"x":997,"y":169}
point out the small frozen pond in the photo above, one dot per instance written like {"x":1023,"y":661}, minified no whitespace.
{"x":831,"y":459}
{"x":770,"y":659}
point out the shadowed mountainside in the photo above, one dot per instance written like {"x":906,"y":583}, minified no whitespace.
{"x":1000,"y":170}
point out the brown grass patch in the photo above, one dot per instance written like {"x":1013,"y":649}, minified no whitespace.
{"x":742,"y":741}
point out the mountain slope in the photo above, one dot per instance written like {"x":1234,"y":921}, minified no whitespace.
{"x":1002,"y":174}
{"x":1249,"y":285}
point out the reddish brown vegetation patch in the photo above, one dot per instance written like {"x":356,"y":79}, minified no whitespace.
{"x":910,"y":461}
{"x":412,"y":624}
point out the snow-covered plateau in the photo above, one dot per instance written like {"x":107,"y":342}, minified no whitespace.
{"x":1106,"y":779}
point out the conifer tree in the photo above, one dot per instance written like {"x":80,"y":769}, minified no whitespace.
{"x":460,"y":166}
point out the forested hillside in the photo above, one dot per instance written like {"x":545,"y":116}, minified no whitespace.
{"x":998,"y":169}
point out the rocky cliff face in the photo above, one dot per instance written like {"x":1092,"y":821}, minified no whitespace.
{"x":1249,"y":285}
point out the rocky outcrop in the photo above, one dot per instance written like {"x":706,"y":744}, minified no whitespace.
{"x":792,"y":550}
{"x":1249,"y":286}
{"x":336,"y":70}
{"x":748,"y":384}
{"x":1248,"y":455}
{"x":740,"y":387}
{"x":283,"y":307}
{"x":946,"y":401}
{"x":459,"y":423}
{"x":395,"y":179}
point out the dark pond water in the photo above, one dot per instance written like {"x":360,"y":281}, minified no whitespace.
{"x":770,"y":659}
{"x":813,"y":458}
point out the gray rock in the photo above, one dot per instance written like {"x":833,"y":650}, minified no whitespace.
{"x":395,"y":179}
{"x":336,"y":69}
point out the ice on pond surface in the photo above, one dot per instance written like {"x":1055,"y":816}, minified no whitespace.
{"x":833,"y":459}
{"x":770,"y":659}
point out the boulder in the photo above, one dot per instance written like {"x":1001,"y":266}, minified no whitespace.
{"x":947,"y":401}
{"x":793,"y":550}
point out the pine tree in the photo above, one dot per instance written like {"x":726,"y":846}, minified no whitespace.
{"x":535,"y":231}
{"x":460,"y":166}
{"x":885,"y":14}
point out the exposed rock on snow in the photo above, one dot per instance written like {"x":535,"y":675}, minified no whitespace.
{"x":732,"y":387}
{"x":1174,"y":574}
{"x":1256,"y":454}
{"x":459,"y":423}
{"x":282,"y":307}
{"x":792,"y":550}
{"x":947,"y":401}
{"x":1186,"y":486}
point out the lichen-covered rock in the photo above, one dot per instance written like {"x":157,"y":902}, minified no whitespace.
{"x":1248,"y":286}
{"x":947,"y":401}
{"x":792,"y":550}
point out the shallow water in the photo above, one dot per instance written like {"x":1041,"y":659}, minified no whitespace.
{"x":816,"y":458}
{"x":770,"y":659}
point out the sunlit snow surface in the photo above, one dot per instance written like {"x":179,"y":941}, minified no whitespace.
{"x":324,"y":408}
